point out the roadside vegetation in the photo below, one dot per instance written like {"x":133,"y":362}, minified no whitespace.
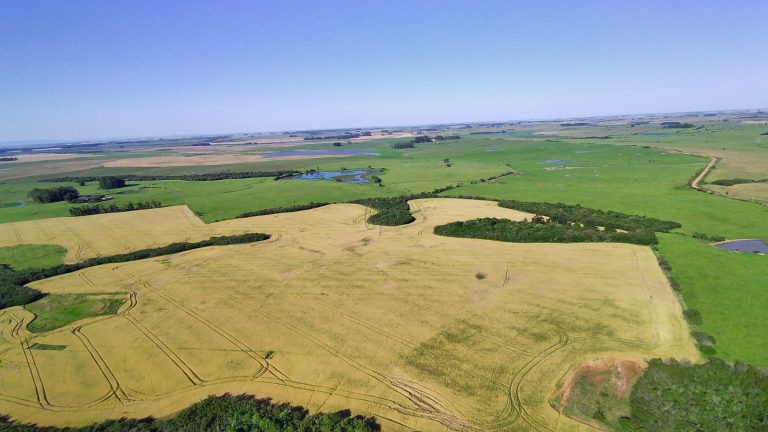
{"x":223,"y":414}
{"x":14,"y":292}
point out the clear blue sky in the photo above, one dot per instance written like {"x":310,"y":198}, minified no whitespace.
{"x":76,"y":69}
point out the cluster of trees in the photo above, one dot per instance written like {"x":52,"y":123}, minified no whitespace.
{"x":345,"y":136}
{"x":716,"y":396}
{"x":8,"y":159}
{"x":12,"y":282}
{"x":55,"y":194}
{"x":110,"y":182}
{"x":113,"y":208}
{"x":735,"y":181}
{"x":676,"y":125}
{"x":226,"y":413}
{"x":187,"y":177}
{"x":539,"y":230}
{"x":448,"y":137}
{"x":610,"y":220}
{"x":421,"y":139}
{"x":403,"y":145}
{"x":389,"y":211}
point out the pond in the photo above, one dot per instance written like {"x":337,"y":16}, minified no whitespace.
{"x":556,"y":161}
{"x":749,"y":246}
{"x":329,"y":152}
{"x":345,"y":176}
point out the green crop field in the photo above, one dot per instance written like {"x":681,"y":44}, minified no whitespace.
{"x":32,"y":256}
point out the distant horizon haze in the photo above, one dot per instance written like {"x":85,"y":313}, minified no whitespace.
{"x":87,"y":71}
{"x":40,"y":142}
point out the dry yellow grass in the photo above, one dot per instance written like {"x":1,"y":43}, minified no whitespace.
{"x":333,"y":313}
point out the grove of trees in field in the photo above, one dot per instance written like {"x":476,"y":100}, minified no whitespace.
{"x":110,"y":182}
{"x":56,"y":194}
{"x":539,"y":230}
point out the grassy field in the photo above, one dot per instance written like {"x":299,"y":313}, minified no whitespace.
{"x":24,"y":256}
{"x":57,"y":310}
{"x":426,"y":346}
{"x":652,"y":183}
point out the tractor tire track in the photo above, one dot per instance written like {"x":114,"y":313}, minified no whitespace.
{"x":265,"y":366}
{"x":423,"y":408}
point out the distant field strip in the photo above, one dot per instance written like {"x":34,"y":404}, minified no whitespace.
{"x":334,"y":313}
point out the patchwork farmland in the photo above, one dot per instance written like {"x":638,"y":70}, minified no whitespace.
{"x":423,"y":332}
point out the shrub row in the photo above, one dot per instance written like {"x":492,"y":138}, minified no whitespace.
{"x":288,"y":209}
{"x":735,"y":181}
{"x":187,"y":177}
{"x":589,"y":217}
{"x":225,"y":413}
{"x":13,"y":291}
{"x":113,"y":208}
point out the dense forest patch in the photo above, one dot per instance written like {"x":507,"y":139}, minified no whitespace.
{"x":223,"y":414}
{"x":540,"y":231}
{"x":389,"y":211}
{"x":714,"y":396}
{"x":669,"y":396}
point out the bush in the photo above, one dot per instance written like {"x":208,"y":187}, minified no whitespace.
{"x":422,"y":139}
{"x":56,"y":194}
{"x":693,"y":316}
{"x":403,"y":145}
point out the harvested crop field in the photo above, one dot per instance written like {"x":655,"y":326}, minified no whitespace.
{"x":334,"y":313}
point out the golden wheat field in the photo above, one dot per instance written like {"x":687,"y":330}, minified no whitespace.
{"x":424,"y":332}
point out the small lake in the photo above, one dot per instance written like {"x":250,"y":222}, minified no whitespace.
{"x":329,"y":152}
{"x":749,"y":246}
{"x":344,"y":176}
